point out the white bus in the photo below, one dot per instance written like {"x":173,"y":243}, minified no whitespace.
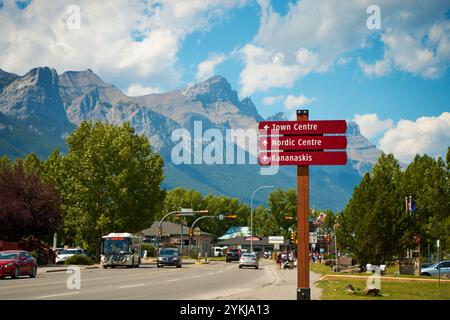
{"x":120,"y":249}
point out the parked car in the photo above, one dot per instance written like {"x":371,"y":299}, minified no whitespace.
{"x":67,"y":253}
{"x":217,"y":251}
{"x":441,"y":268}
{"x":248,"y":260}
{"x":169,"y":257}
{"x":16,"y":263}
{"x":233,"y":255}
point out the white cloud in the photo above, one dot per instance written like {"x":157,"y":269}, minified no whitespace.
{"x":292,"y":101}
{"x":371,"y":126}
{"x":123,"y":39}
{"x":206,"y":68}
{"x":430,"y":135}
{"x":136,"y":90}
{"x":270,"y":101}
{"x":378,"y":69}
{"x":314,"y":36}
{"x":265,"y":69}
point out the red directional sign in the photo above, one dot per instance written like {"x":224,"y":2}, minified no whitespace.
{"x":302,"y":127}
{"x":302,"y":158}
{"x":302,"y":142}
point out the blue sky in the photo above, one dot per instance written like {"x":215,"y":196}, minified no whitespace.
{"x":321,"y":55}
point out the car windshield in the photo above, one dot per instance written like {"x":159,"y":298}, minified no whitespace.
{"x":8,"y":255}
{"x":168,"y":252}
{"x":69,"y":251}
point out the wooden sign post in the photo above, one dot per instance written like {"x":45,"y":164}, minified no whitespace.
{"x":302,"y":143}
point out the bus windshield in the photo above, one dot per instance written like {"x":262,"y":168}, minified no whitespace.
{"x":112,"y":246}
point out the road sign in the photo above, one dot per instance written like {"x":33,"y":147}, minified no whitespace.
{"x":302,"y":127}
{"x":276,"y":239}
{"x":221,"y":217}
{"x":303,"y":142}
{"x":302,"y":158}
{"x":197,"y":231}
{"x":313,"y":237}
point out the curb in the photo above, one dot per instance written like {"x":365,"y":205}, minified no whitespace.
{"x":202,"y":262}
{"x":65,"y":269}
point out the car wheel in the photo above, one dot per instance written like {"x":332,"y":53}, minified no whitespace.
{"x":33,"y":272}
{"x":256,"y":268}
{"x":178,"y":265}
{"x":104,"y":267}
{"x":240,"y":267}
{"x":426,"y":274}
{"x":16,"y":273}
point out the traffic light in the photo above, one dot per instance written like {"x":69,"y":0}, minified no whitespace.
{"x":288,"y":218}
{"x":231,"y":216}
{"x":191,"y":232}
{"x":293,"y":236}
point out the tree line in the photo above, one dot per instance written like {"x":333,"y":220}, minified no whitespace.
{"x":376,"y":227}
{"x":108,"y":181}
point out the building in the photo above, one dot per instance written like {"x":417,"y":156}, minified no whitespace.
{"x":260,"y":244}
{"x":171,"y":235}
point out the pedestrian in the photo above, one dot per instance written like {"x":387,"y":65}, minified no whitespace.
{"x":279,"y":260}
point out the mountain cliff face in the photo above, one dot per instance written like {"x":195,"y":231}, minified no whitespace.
{"x":38,"y":110}
{"x":32,"y":114}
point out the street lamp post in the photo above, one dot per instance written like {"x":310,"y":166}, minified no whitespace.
{"x":251,"y":214}
{"x":220,"y":217}
{"x":184,"y":212}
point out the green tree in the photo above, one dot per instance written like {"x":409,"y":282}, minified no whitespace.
{"x":374,"y":226}
{"x":270,"y":221}
{"x":181,"y":198}
{"x":426,"y":180}
{"x":110,"y":182}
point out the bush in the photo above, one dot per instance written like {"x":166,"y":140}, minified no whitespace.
{"x":151,"y":250}
{"x":78,"y":259}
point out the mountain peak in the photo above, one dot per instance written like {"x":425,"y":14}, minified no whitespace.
{"x":214,"y":89}
{"x":43,"y":77}
{"x":85,"y":77}
{"x":353,"y":129}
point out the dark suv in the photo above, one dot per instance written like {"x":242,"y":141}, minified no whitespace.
{"x":169,"y":257}
{"x":233,"y":255}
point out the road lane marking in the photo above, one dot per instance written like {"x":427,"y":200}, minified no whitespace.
{"x":196,"y":276}
{"x":132,"y":286}
{"x":58,"y":295}
{"x":172,"y":280}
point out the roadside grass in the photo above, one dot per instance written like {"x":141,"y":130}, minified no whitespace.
{"x":216,"y":259}
{"x":320,"y":268}
{"x":390,"y":290}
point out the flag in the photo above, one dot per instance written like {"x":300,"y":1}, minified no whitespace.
{"x":412,"y":205}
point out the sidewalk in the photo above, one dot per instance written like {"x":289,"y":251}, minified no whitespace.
{"x":282,"y":286}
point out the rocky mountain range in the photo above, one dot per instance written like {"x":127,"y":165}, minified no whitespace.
{"x":39,"y":109}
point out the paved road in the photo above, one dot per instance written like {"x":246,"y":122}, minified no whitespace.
{"x":217,"y":280}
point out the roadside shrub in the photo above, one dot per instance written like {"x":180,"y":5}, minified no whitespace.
{"x":79,"y":259}
{"x":151,"y":250}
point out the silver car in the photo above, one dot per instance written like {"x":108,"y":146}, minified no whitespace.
{"x":248,"y":260}
{"x":442,"y":268}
